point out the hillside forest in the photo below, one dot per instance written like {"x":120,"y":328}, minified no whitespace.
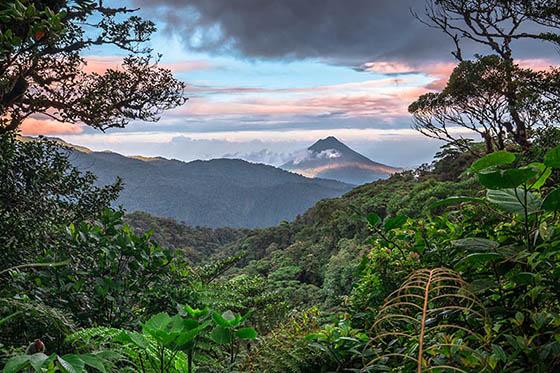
{"x":450,"y":267}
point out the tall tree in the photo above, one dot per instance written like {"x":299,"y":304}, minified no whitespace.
{"x":495,"y":25}
{"x":42,"y":43}
{"x":476,"y":98}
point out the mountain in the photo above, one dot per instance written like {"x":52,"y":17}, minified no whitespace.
{"x":215,"y":193}
{"x":331,"y":159}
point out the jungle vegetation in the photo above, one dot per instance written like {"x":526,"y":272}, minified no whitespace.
{"x":454,"y":266}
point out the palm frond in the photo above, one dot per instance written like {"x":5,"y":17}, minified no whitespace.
{"x":429,"y":323}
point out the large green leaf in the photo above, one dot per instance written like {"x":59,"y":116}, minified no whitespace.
{"x":246,"y":333}
{"x":503,"y":179}
{"x":476,"y":244}
{"x":513,"y":200}
{"x":38,"y":360}
{"x":71,"y":363}
{"x":157,"y":322}
{"x":373,"y":219}
{"x":493,"y":159}
{"x":16,"y":364}
{"x":221,"y":335}
{"x":394,"y":222}
{"x":552,"y":157}
{"x":477,"y":259}
{"x":94,"y":362}
{"x":552,"y":201}
{"x":544,"y":173}
{"x":218,"y":319}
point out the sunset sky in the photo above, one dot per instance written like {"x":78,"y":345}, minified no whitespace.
{"x":268,"y":78}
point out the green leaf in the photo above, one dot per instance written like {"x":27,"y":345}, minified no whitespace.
{"x":157,"y":322}
{"x":373,"y":219}
{"x":477,"y":259}
{"x":454,"y":200}
{"x":552,"y":157}
{"x":476,"y":244}
{"x":94,"y":362}
{"x":139,"y":340}
{"x":493,"y":159}
{"x":195,"y":313}
{"x":524,"y":278}
{"x":513,"y":200}
{"x":221,"y":335}
{"x":544,"y":174}
{"x":16,"y":364}
{"x":552,"y":201}
{"x":503,"y":179}
{"x":246,"y":333}
{"x":71,"y":363}
{"x":37,"y":360}
{"x":394,"y":222}
{"x":220,"y":320}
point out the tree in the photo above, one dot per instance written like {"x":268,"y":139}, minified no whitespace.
{"x":476,"y":98}
{"x":41,"y":65}
{"x":40,"y":193}
{"x":495,"y":25}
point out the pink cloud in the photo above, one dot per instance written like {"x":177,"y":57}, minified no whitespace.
{"x":99,"y":64}
{"x":34,"y":127}
{"x":440,"y":71}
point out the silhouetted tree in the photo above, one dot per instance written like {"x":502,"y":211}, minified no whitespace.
{"x":476,"y":98}
{"x":494,"y":24}
{"x":41,"y":65}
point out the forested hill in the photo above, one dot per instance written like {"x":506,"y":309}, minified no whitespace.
{"x":198,"y":243}
{"x":314,"y":259}
{"x":215,"y":193}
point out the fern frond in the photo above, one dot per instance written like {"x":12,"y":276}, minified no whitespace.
{"x":429,"y":321}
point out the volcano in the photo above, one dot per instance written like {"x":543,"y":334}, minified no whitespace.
{"x":329,"y":158}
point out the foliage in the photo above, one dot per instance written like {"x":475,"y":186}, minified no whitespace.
{"x":41,"y":43}
{"x":39,"y":193}
{"x":102,"y":361}
{"x":286,"y":348}
{"x":174,"y":343}
{"x":477,"y":97}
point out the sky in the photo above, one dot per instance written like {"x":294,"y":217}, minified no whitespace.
{"x":266,"y":79}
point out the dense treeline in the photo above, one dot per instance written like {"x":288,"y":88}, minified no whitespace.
{"x":197,"y":243}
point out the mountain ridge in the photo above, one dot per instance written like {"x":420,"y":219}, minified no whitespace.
{"x":211,"y":193}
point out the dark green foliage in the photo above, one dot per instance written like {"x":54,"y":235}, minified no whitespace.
{"x":197,"y":243}
{"x":41,"y":192}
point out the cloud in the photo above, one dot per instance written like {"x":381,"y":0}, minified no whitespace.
{"x":348,"y":32}
{"x":265,"y":156}
{"x":99,"y":64}
{"x":34,"y":127}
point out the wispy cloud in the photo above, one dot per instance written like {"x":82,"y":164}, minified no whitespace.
{"x":100,"y":64}
{"x":34,"y":126}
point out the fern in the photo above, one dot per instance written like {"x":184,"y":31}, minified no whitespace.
{"x":428,"y":324}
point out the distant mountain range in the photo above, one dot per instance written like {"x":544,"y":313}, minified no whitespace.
{"x":215,"y":193}
{"x":331,"y":159}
